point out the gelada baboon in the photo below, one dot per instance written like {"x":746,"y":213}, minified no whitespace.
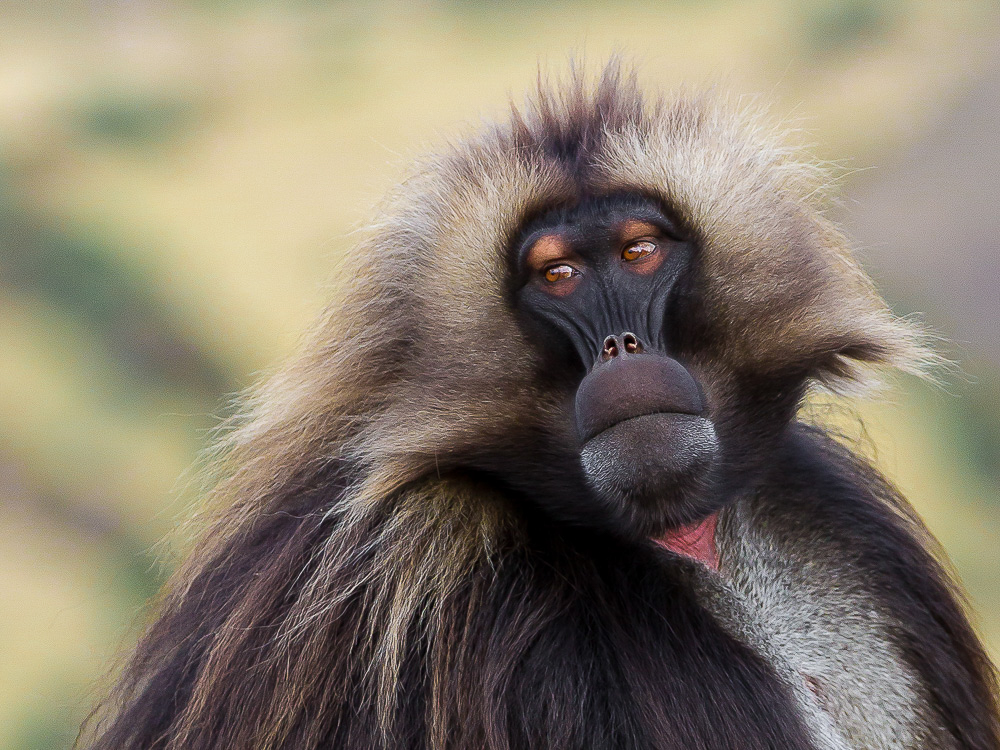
{"x":537,"y":478}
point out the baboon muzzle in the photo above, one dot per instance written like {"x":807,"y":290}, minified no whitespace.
{"x":629,"y":380}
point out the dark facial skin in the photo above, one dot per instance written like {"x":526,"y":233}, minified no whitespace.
{"x":595,"y":290}
{"x":591,"y":290}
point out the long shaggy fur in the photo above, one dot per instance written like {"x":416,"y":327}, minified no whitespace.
{"x":356,"y":587}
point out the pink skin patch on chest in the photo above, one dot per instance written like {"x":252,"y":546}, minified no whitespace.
{"x":696,"y":541}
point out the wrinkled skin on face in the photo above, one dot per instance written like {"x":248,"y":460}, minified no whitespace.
{"x":603,"y":291}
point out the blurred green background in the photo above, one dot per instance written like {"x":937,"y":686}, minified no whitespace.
{"x":177,"y":178}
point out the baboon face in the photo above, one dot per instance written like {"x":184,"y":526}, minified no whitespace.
{"x":602,"y":290}
{"x":609,"y":309}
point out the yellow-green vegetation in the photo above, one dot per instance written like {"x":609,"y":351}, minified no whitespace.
{"x":176,"y":180}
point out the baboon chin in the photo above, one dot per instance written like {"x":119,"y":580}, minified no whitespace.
{"x":654,"y":468}
{"x":537,"y":480}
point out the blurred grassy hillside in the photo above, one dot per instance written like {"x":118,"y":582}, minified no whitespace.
{"x":177,"y":178}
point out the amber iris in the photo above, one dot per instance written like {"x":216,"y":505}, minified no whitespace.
{"x":559,"y":272}
{"x":638,"y":250}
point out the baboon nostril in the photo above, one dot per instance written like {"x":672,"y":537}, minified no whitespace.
{"x":631,"y":343}
{"x":610,"y":348}
{"x":614,"y":345}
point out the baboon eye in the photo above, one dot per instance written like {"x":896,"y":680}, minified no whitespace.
{"x":638,"y":250}
{"x":559,"y":272}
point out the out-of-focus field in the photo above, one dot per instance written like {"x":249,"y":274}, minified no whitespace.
{"x":177,"y":179}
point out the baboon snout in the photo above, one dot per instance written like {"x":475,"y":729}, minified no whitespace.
{"x":629,"y":380}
